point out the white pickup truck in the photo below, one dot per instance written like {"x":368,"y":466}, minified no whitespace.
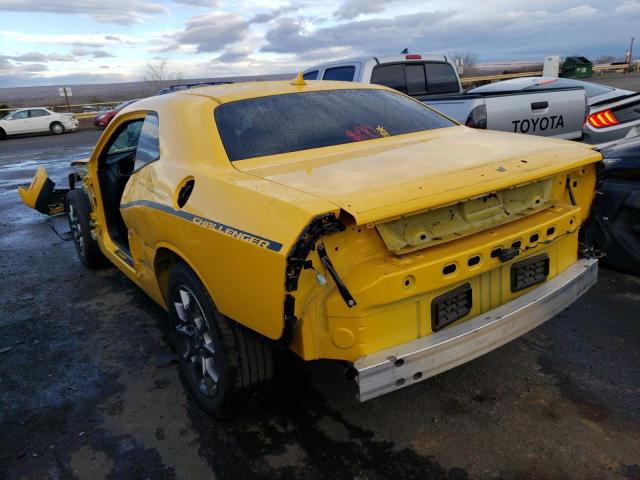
{"x":553,"y":112}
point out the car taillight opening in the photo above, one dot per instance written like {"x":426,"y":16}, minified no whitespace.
{"x":602,"y":119}
{"x":477,"y":118}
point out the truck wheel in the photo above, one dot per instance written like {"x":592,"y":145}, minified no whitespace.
{"x":78,"y":209}
{"x":56,"y":128}
{"x":225,"y":365}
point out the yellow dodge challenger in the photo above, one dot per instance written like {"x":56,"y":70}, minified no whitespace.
{"x":342,"y":221}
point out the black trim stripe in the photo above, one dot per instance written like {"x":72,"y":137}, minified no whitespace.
{"x":233,"y":232}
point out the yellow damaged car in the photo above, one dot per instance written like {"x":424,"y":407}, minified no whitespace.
{"x":339,"y":220}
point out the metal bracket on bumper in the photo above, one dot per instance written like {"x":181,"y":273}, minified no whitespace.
{"x":397,"y":367}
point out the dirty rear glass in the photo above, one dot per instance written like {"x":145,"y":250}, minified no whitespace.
{"x":277,"y":124}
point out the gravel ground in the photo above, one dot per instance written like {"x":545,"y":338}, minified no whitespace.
{"x":89,"y":387}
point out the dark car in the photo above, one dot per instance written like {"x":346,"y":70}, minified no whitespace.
{"x":103,"y":119}
{"x":187,"y":86}
{"x":614,"y":227}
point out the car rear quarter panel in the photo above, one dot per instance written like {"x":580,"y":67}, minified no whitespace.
{"x":216,"y":231}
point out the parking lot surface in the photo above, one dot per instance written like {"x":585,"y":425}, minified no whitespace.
{"x":89,"y":387}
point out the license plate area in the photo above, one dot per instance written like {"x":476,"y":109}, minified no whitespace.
{"x":529,"y":272}
{"x":451,"y":306}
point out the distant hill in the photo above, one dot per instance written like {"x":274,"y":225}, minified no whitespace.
{"x":106,"y":92}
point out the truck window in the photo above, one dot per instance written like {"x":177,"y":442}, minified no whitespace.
{"x":391,"y":76}
{"x":311,"y":75}
{"x":416,"y":82}
{"x":441,"y":78}
{"x":343,"y":74}
{"x":309,"y":120}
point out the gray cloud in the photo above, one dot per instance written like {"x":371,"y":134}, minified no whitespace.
{"x":84,"y":52}
{"x":31,"y":57}
{"x":12,"y":72}
{"x":376,"y":35}
{"x":354,"y":8}
{"x":565,"y":28}
{"x":101,"y":54}
{"x":198,"y":3}
{"x":56,"y":57}
{"x":123,"y":12}
{"x":266,"y":17}
{"x":234,"y":54}
{"x":211,"y":32}
{"x":41,"y":57}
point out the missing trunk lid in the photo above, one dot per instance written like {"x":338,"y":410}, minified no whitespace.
{"x":465,"y":218}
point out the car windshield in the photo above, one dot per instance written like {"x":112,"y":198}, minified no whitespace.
{"x":278,"y":124}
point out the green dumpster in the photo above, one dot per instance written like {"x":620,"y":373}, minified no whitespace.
{"x":576,"y":67}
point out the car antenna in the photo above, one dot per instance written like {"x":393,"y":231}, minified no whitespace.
{"x":299,"y":80}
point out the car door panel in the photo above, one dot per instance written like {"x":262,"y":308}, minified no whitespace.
{"x":17,"y":124}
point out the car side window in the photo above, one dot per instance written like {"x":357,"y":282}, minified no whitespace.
{"x":38,"y":112}
{"x":149,"y":142}
{"x":343,"y":74}
{"x":20,"y":115}
{"x":311,"y":75}
{"x":125,"y":142}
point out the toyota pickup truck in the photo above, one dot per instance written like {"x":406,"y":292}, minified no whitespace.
{"x":555,"y":112}
{"x":339,"y":220}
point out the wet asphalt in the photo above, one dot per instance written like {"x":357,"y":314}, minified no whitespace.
{"x":89,"y":388}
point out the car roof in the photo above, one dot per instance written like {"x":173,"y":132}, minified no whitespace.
{"x":240,"y":91}
{"x":429,"y":57}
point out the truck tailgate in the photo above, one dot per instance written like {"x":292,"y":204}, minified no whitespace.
{"x":551,"y":113}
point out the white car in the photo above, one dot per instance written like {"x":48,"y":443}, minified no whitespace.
{"x":35,"y":120}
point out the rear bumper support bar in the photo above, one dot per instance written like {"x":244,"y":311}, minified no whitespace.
{"x":397,"y":367}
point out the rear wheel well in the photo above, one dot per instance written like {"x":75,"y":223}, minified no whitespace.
{"x":3,"y":134}
{"x":163,"y":262}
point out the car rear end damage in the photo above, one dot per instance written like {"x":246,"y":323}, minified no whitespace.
{"x":397,"y":367}
{"x":406,"y":281}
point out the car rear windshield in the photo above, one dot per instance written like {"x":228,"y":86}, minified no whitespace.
{"x":277,"y":124}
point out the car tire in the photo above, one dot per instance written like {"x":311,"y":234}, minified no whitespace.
{"x":3,"y":134}
{"x":226,"y":366}
{"x":78,"y":210}
{"x":56,"y":128}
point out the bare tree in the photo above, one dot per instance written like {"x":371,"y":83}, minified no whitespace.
{"x":469,"y":59}
{"x":160,"y":70}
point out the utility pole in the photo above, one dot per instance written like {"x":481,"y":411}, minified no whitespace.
{"x":631,"y":54}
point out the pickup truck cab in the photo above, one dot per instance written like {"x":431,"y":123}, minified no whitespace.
{"x":339,"y":220}
{"x":553,"y":112}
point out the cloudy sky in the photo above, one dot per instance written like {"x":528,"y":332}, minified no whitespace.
{"x":95,"y":41}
